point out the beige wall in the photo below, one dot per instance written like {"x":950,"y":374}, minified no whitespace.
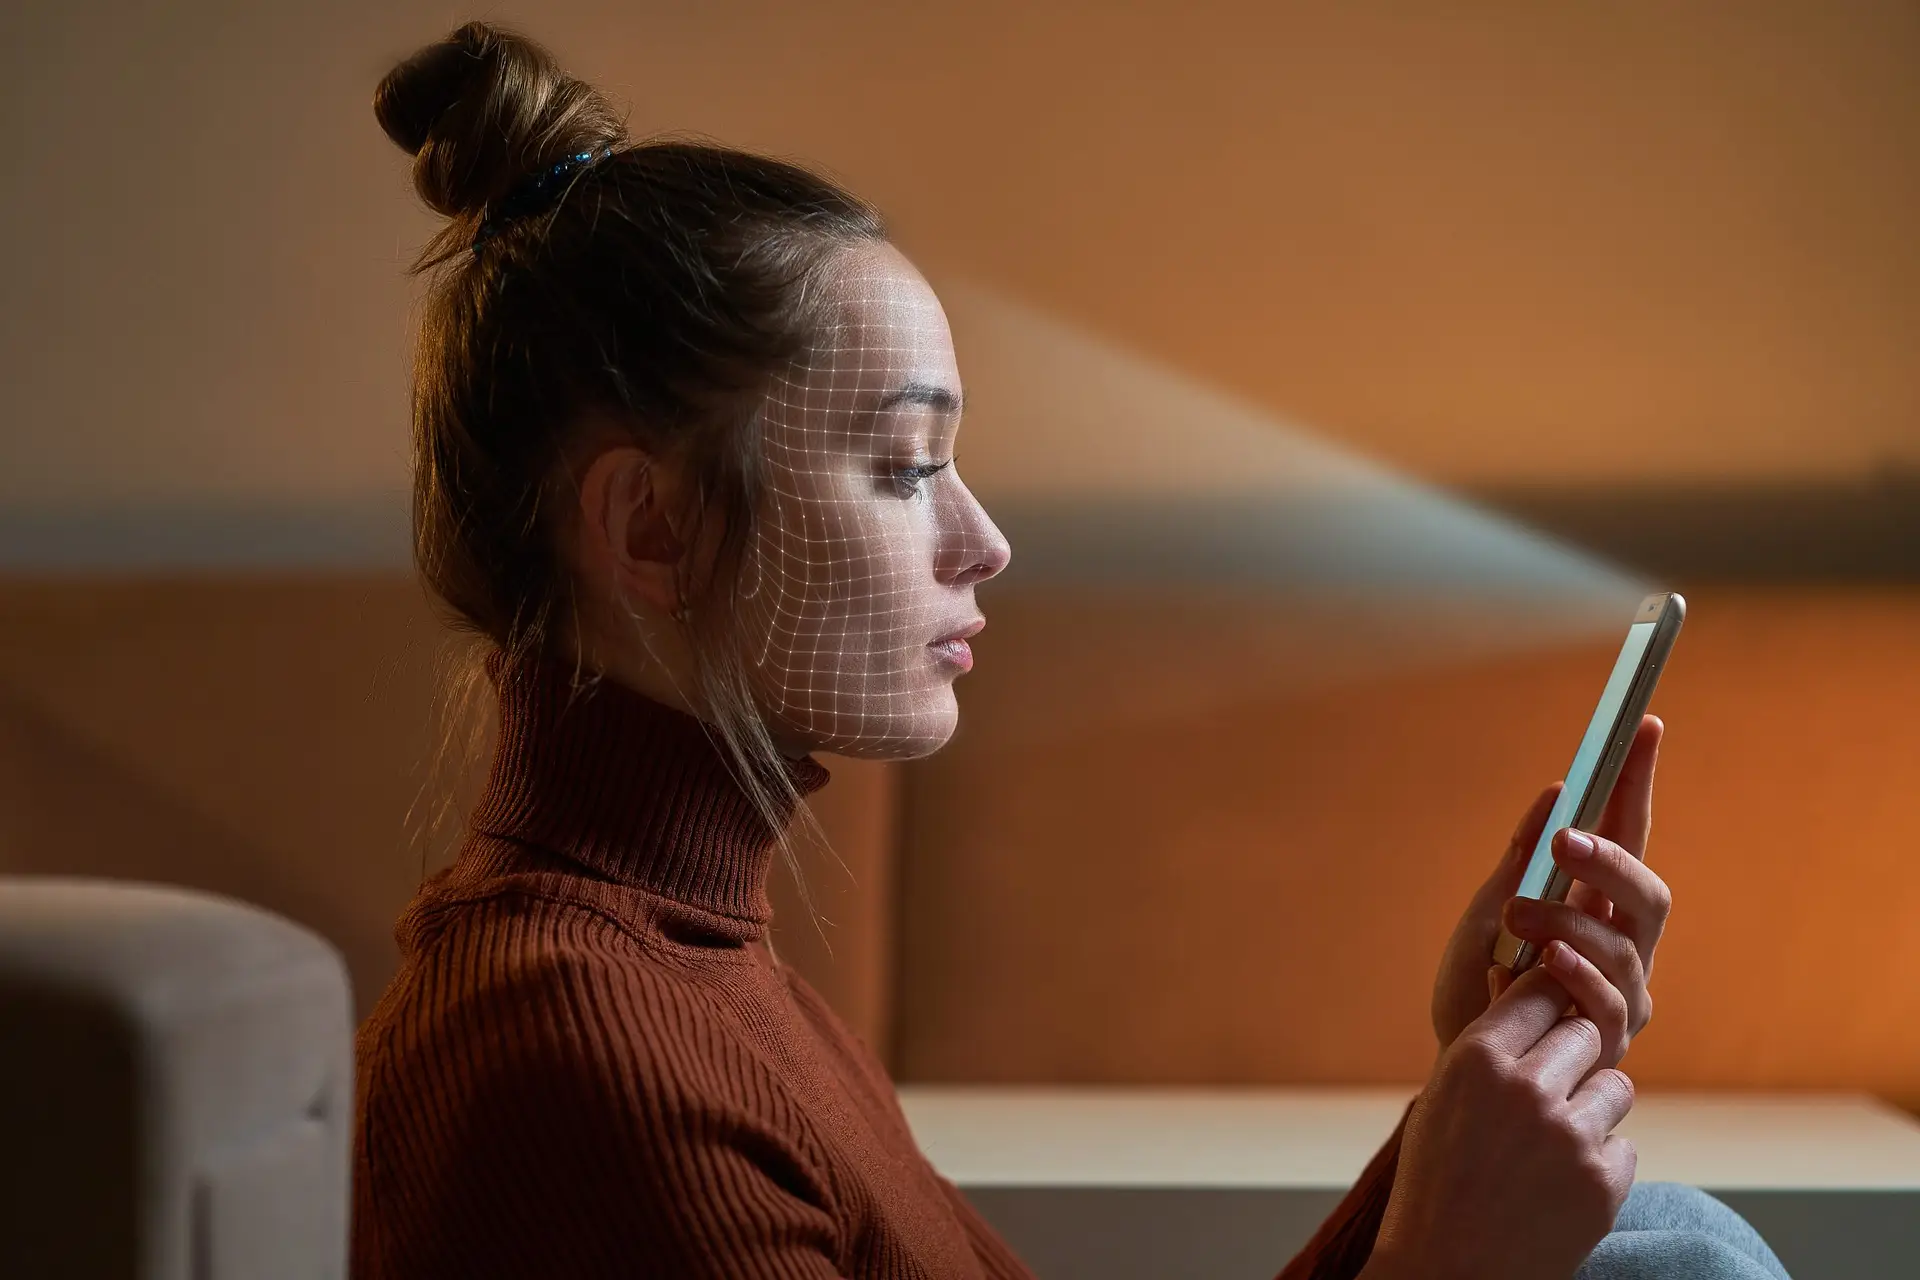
{"x":1491,"y":242}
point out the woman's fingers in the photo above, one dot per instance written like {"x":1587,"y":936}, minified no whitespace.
{"x":1627,"y":821}
{"x":1601,"y":1103}
{"x":1525,"y":1011}
{"x":1566,"y":1053}
{"x":1587,"y":900}
{"x":1458,"y":997}
{"x":1603,"y":946}
{"x":1565,"y":1056}
{"x":1628,"y":818}
{"x":1638,"y":900}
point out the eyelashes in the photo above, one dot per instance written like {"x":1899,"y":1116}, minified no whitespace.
{"x":910,"y":481}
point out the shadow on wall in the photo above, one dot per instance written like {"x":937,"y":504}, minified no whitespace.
{"x":259,"y":738}
{"x":68,"y":808}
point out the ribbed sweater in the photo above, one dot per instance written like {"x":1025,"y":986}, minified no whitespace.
{"x":591,"y":1065}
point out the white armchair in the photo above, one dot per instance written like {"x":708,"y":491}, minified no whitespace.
{"x":176,"y":1087}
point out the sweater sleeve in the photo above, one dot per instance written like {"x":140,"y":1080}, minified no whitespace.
{"x":996,"y":1257}
{"x":1344,"y":1242}
{"x":520,"y":1138}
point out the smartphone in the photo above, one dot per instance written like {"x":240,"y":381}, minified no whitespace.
{"x":1596,"y":765}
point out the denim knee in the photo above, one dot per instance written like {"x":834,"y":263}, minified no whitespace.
{"x":1670,"y":1231}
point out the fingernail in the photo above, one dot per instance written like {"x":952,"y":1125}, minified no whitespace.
{"x":1578,"y":844}
{"x":1560,"y":957}
{"x":1524,"y":913}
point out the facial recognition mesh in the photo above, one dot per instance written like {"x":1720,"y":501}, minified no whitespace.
{"x":868,"y":545}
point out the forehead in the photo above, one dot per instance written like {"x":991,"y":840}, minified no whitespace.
{"x":882,"y":326}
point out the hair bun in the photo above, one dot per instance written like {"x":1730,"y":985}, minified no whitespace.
{"x":483,"y":109}
{"x":418,"y":92}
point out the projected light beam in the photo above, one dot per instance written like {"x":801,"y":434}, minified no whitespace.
{"x":1176,"y":549}
{"x":1104,"y":467}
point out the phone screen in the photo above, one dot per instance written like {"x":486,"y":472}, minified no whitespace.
{"x":1593,"y":746}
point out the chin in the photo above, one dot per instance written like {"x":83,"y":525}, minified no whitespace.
{"x":902,"y":736}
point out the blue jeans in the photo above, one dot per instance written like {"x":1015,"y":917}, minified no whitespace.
{"x":1670,"y":1231}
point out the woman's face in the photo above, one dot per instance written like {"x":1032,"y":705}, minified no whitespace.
{"x":857,"y":585}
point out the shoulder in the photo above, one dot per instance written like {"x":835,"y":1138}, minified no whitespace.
{"x":860,"y":1066}
{"x":565,"y":1091}
{"x":531,"y":1025}
{"x":519,"y":981}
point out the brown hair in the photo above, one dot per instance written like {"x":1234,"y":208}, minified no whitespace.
{"x":663,"y":285}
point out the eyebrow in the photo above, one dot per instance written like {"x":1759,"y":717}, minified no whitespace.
{"x":925,"y":394}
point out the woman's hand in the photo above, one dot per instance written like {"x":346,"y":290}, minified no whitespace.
{"x":1509,"y":1168}
{"x":1613,"y":916}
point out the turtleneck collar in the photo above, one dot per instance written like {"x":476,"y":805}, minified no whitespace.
{"x":632,"y":789}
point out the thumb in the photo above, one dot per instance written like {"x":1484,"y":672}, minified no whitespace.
{"x":1499,"y":978}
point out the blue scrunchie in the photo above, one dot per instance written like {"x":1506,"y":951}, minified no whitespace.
{"x":534,"y":194}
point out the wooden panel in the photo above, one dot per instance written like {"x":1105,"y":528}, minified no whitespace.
{"x":839,"y":931}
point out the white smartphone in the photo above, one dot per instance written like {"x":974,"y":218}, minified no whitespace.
{"x":1596,"y":765}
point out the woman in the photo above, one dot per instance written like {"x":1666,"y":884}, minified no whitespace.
{"x":685,"y":427}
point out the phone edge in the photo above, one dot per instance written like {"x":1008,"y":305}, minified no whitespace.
{"x":1518,"y":954}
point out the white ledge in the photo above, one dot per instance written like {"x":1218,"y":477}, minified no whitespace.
{"x":992,"y":1136}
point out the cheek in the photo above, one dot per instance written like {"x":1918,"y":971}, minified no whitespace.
{"x":850,"y":576}
{"x":888,"y":584}
{"x":872,"y":551}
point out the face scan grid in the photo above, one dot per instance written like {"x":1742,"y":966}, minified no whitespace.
{"x":868,"y":545}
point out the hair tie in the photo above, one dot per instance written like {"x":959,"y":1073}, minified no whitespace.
{"x":534,"y":194}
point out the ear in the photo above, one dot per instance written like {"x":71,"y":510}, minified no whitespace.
{"x":628,"y":504}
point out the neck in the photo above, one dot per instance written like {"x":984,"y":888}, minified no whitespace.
{"x":657,"y":661}
{"x":633,"y":789}
{"x":653,"y":658}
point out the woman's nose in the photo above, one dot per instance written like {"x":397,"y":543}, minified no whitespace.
{"x":976,"y":549}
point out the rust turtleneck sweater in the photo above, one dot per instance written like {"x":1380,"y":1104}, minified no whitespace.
{"x":590,"y":1065}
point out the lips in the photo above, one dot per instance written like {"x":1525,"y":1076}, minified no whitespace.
{"x":952,"y":649}
{"x":967,"y":632}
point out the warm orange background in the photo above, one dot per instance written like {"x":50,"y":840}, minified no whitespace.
{"x":1260,"y":890}
{"x":1487,"y":245}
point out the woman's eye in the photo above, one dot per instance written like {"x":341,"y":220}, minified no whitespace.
{"x":908,"y":480}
